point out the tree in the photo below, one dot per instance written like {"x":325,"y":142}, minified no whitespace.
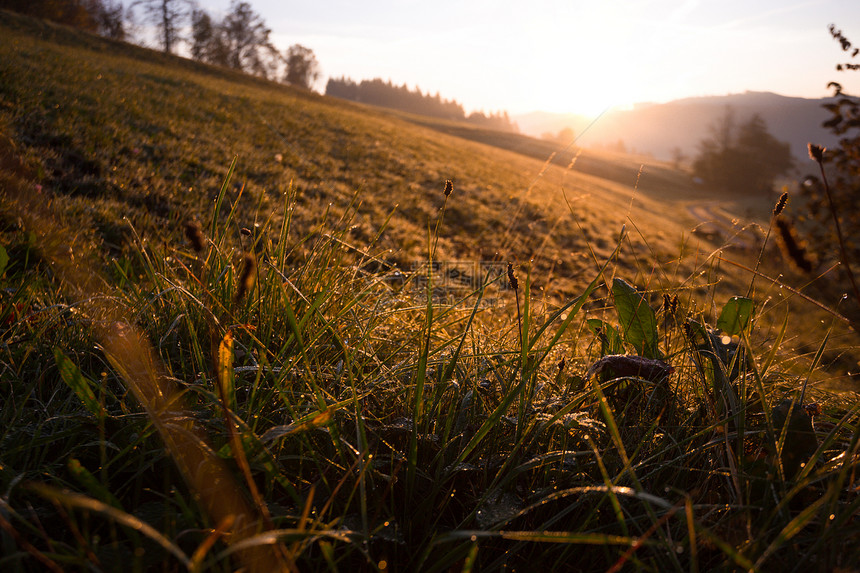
{"x":240,"y":41}
{"x":741,"y":160}
{"x":564,"y":136}
{"x":168,"y":16}
{"x":76,"y":13}
{"x":203,"y":36}
{"x":679,"y":158}
{"x":110,"y":18}
{"x":302,"y":67}
{"x":764,"y":157}
{"x":247,"y":40}
{"x":100,"y":16}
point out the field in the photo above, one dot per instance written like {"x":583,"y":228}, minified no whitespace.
{"x":245,"y":326}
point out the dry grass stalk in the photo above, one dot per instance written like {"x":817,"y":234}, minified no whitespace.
{"x":816,"y":153}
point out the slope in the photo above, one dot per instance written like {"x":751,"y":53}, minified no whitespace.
{"x":123,"y":138}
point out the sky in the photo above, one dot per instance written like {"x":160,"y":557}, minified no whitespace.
{"x":572,"y":56}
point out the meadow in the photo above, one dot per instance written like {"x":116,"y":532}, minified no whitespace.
{"x":248,"y":327}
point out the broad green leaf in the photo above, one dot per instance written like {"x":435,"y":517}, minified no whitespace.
{"x":736,"y":315}
{"x":637,"y":319}
{"x":72,"y":376}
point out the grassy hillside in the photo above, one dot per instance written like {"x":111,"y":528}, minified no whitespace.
{"x":158,"y":136}
{"x":115,"y":132}
{"x":223,"y":347}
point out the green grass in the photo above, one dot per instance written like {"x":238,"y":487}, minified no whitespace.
{"x":328,"y":410}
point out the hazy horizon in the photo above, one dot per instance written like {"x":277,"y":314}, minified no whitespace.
{"x":574,"y":56}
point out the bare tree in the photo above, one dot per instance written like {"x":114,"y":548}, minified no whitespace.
{"x":110,"y":17}
{"x":302,"y":66}
{"x":169,"y":16}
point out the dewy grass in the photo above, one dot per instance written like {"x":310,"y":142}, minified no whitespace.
{"x":305,"y":385}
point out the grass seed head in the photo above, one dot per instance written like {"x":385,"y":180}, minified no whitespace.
{"x":246,"y":279}
{"x":688,"y":331}
{"x":195,"y":235}
{"x":792,"y":248}
{"x":512,"y":278}
{"x":780,"y":205}
{"x":816,"y":152}
{"x":449,"y":187}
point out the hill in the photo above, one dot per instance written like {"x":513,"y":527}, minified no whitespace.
{"x":116,"y":131}
{"x":658,"y":129}
{"x":245,"y":327}
{"x":130,"y":142}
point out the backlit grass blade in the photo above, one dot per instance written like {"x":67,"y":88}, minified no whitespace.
{"x":222,"y":192}
{"x":225,"y":371}
{"x":91,"y":483}
{"x":72,"y":376}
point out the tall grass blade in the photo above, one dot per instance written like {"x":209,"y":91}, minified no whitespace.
{"x":216,"y":210}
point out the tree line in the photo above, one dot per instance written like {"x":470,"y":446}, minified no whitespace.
{"x":387,"y":94}
{"x":240,"y":40}
{"x":741,"y":158}
{"x":99,"y":16}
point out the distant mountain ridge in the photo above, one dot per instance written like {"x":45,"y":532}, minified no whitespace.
{"x":657,"y":129}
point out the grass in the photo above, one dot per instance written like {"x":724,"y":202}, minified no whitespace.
{"x":180,"y":404}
